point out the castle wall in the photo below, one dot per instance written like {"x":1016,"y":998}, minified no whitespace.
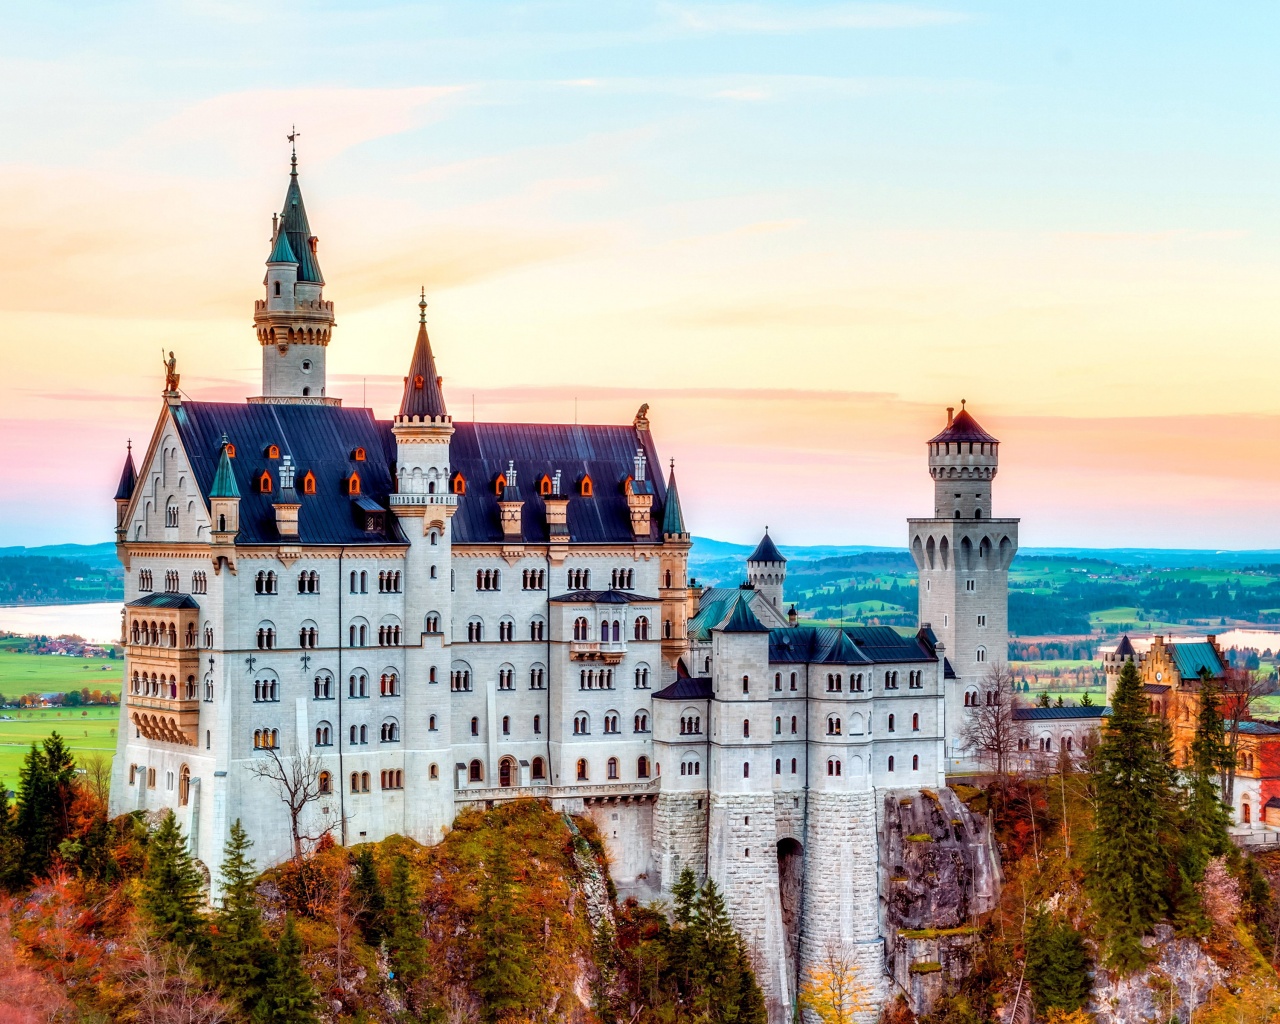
{"x":680,"y":823}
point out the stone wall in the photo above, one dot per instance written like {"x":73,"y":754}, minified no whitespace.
{"x":679,"y":836}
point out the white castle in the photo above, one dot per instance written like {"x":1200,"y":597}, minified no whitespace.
{"x":408,"y":617}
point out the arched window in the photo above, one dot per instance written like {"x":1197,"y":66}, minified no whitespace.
{"x":980,"y":654}
{"x":642,"y":768}
{"x":891,"y":762}
{"x":433,"y":772}
{"x":538,"y":769}
{"x":585,"y":487}
{"x":582,"y":769}
{"x":390,"y":731}
{"x":641,"y":722}
{"x":915,"y":762}
{"x":793,"y":766}
{"x":309,"y":483}
{"x":833,"y":725}
{"x":325,"y":782}
{"x":324,"y":734}
{"x":184,"y":785}
{"x":264,"y":483}
{"x":915,"y":723}
{"x":611,"y":768}
{"x":353,"y":484}
{"x":891,"y":719}
{"x":475,"y":771}
{"x":746,"y":769}
{"x":431,"y":723}
{"x":475,"y":726}
{"x":642,"y":627}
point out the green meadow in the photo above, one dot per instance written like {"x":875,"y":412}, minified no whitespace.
{"x":46,"y":673}
{"x":86,"y":730}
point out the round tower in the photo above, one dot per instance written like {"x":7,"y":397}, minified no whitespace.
{"x":294,"y":321}
{"x":767,"y":571}
{"x":963,"y":460}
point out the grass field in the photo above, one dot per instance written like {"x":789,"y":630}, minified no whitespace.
{"x":45,"y":673}
{"x":86,"y":730}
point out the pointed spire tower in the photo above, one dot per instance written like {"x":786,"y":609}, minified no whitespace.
{"x":293,"y":322}
{"x":679,"y":593}
{"x":422,"y":429}
{"x":124,"y":492}
{"x":423,"y":398}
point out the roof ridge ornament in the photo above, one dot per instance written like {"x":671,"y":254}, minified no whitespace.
{"x":293,"y":142}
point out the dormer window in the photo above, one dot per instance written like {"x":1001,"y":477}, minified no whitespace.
{"x":544,"y":485}
{"x":309,"y":483}
{"x":585,"y":487}
{"x":418,"y":382}
{"x":459,"y":484}
{"x":500,"y":484}
{"x":230,"y":449}
{"x":358,"y":455}
{"x":353,"y":483}
{"x":273,"y":451}
{"x":264,"y":483}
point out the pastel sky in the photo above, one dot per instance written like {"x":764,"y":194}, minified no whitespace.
{"x":799,"y":231}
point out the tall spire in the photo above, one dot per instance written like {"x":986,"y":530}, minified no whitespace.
{"x":293,"y":222}
{"x":672,"y":516}
{"x":128,"y":477}
{"x":423,"y":396}
{"x":224,"y":480}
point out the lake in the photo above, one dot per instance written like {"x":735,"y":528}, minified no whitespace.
{"x":98,"y":622}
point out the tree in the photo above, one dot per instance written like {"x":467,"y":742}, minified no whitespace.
{"x":45,"y":791}
{"x":404,"y":932}
{"x":723,"y":988}
{"x":1057,"y":965}
{"x":240,"y":950}
{"x":832,"y":990}
{"x":297,"y":780}
{"x":503,"y":979}
{"x":171,"y":887}
{"x":289,"y":996}
{"x":1240,"y":689}
{"x":992,"y":730}
{"x":1086,"y":701}
{"x":367,"y":892}
{"x":1042,"y":701}
{"x":1133,"y":813}
{"x":10,"y":846}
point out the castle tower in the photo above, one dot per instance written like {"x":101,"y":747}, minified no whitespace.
{"x":742,"y":833}
{"x":1113,"y":663}
{"x":424,"y":504}
{"x":962,"y":555}
{"x":124,"y":493}
{"x":674,"y":591}
{"x":767,"y":570}
{"x":293,"y":322}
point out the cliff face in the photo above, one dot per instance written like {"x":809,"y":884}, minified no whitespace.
{"x":939,"y":871}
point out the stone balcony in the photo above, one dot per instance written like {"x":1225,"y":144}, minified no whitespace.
{"x":609,"y":652}
{"x":588,"y":793}
{"x":167,"y":719}
{"x":416,"y":500}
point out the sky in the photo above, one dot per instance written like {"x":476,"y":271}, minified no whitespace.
{"x":798,"y":231}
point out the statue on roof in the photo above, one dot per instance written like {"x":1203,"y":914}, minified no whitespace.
{"x":171,"y":376}
{"x":641,"y":421}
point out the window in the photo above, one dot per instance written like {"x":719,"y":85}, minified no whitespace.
{"x":390,"y":732}
{"x":982,"y":620}
{"x":324,"y":686}
{"x":642,"y":768}
{"x":391,"y":778}
{"x":746,"y":728}
{"x":793,"y":682}
{"x":582,"y":769}
{"x":459,"y":484}
{"x":578,"y":579}
{"x":642,"y":677}
{"x":537,"y":725}
{"x":389,"y":684}
{"x":834,"y":725}
{"x":359,"y":734}
{"x":581,"y":725}
{"x":891,"y":723}
{"x":537,"y":678}
{"x":433,"y":772}
{"x":266,"y":688}
{"x":353,"y":484}
{"x":611,"y":768}
{"x":488,"y":579}
{"x":144,"y":580}
{"x":915,"y":680}
{"x":980,"y":654}
{"x":537,"y":630}
{"x":264,"y":483}
{"x":324,"y":735}
{"x":915,"y":723}
{"x":506,"y":725}
{"x":777,"y":766}
{"x":642,"y":627}
{"x":433,"y":622}
{"x":535,"y":579}
{"x":266,"y":637}
{"x":777,"y":726}
{"x":358,"y":685}
{"x":915,"y":762}
{"x":793,"y":725}
{"x":460,"y":680}
{"x":585,"y":488}
{"x":309,"y":483}
{"x":746,"y":684}
{"x":308,"y":636}
{"x":325,"y":782}
{"x":611,"y":723}
{"x":971,"y":585}
{"x":641,"y":722}
{"x":891,"y":763}
{"x":475,"y":631}
{"x":746,"y":769}
{"x":308,"y":582}
{"x":793,"y":766}
{"x":266,"y":739}
{"x":475,"y":726}
{"x":506,"y":630}
{"x":539,"y":771}
{"x":199,"y":583}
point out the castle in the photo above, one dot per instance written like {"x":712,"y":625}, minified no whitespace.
{"x":336,"y":624}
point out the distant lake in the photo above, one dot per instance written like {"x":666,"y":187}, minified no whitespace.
{"x":98,"y":622}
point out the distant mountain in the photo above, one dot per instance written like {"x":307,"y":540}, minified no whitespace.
{"x":96,"y":556}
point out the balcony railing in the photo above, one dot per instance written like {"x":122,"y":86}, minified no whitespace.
{"x":610,"y":652}
{"x":411,"y":500}
{"x":584,"y":790}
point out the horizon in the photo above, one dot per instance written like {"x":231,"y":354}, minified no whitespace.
{"x":799,"y":232}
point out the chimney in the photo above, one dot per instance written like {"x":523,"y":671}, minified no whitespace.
{"x":792,"y":617}
{"x":951,"y":410}
{"x":510,"y":507}
{"x":287,"y":506}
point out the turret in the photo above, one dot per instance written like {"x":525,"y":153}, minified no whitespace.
{"x":963,"y":460}
{"x":224,"y":508}
{"x":422,"y":430}
{"x":293,"y":321}
{"x":767,"y":570}
{"x":124,"y":492}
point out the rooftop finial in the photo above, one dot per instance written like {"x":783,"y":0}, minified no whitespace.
{"x":422,"y":306}
{"x":129,"y":444}
{"x":962,"y":405}
{"x":293,"y":143}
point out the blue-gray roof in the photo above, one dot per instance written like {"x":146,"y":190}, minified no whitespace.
{"x":672,"y":516}
{"x":293,"y":221}
{"x":1258,"y":727}
{"x":742,"y":620}
{"x":603,"y":597}
{"x":164,"y":601}
{"x":322,"y":440}
{"x":686,"y":688}
{"x":766,"y":551}
{"x":282,"y":251}
{"x":128,"y":478}
{"x":852,"y":645}
{"x":1191,"y":658}
{"x":1057,"y":714}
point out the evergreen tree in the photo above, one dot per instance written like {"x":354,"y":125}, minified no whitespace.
{"x":504,"y":981}
{"x":1059,"y":702}
{"x":10,"y":847}
{"x":241,"y":951}
{"x":45,"y":789}
{"x":1133,"y":783}
{"x":404,"y":939}
{"x":724,"y":989}
{"x":1057,"y":965}
{"x":367,"y":890}
{"x":685,"y":893}
{"x":171,"y":886}
{"x":1086,"y":701}
{"x":1042,"y":701}
{"x":289,"y":996}
{"x":1205,"y":818}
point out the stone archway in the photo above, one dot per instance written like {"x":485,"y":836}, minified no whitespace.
{"x":790,"y":895}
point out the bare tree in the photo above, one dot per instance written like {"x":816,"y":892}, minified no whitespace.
{"x":297,"y":780}
{"x":97,"y":774}
{"x":992,"y":729}
{"x":1240,"y":689}
{"x":833,"y":992}
{"x":167,"y":989}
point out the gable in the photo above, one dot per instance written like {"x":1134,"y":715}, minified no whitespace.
{"x":167,"y":482}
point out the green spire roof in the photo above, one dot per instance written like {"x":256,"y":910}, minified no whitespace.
{"x":672,"y":516}
{"x":293,"y":222}
{"x":224,"y":481}
{"x":282,"y":251}
{"x":743,"y":619}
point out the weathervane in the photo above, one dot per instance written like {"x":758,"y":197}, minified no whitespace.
{"x":293,"y":142}
{"x":422,"y":306}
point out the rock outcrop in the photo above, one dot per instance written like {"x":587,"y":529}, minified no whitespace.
{"x":1171,"y":988}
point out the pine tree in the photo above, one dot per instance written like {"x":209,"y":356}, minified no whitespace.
{"x":1042,"y":701}
{"x":1057,"y":965}
{"x":1133,"y":783}
{"x":724,"y":989}
{"x":504,"y":981}
{"x":10,"y":847}
{"x":367,"y":890}
{"x":685,"y":893}
{"x":45,"y":784}
{"x":171,"y":886}
{"x":1086,"y":701}
{"x":289,"y":997}
{"x":1205,"y":818}
{"x":241,"y":951}
{"x":404,"y":927}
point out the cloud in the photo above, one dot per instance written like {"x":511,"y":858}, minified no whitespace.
{"x":790,"y":19}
